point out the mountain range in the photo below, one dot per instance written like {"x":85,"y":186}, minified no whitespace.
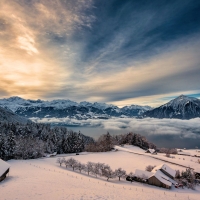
{"x":67,"y":108}
{"x":182,"y":107}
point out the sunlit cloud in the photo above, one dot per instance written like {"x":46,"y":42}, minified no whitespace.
{"x":99,"y":51}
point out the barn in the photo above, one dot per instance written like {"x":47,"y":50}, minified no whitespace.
{"x":4,"y":169}
{"x":160,"y":180}
{"x":168,"y":171}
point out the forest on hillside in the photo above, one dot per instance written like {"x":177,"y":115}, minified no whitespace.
{"x":34,"y":140}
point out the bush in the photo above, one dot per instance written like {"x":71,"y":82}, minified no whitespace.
{"x":149,"y":168}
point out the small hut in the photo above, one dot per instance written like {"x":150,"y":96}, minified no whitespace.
{"x":4,"y":169}
{"x":152,"y":151}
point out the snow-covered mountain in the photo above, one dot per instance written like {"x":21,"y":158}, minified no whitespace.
{"x":10,"y":117}
{"x":182,"y":107}
{"x":66,"y":108}
{"x":135,"y":110}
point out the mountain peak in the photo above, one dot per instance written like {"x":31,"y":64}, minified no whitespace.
{"x":182,"y":107}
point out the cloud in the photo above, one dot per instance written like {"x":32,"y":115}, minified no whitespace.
{"x":32,"y":60}
{"x":146,"y":126}
{"x":120,"y":52}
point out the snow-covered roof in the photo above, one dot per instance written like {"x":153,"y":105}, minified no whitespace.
{"x":143,"y":174}
{"x":151,"y":150}
{"x":3,"y":167}
{"x":166,"y":168}
{"x":184,"y":153}
{"x":162,"y":178}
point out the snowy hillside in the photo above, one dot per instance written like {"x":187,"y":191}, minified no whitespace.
{"x":44,"y":179}
{"x":183,"y":107}
{"x":66,"y":108}
{"x":9,"y":116}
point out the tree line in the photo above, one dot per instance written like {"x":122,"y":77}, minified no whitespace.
{"x":33,"y":140}
{"x":106,"y":142}
{"x":96,"y":169}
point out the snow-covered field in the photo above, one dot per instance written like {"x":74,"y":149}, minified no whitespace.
{"x":45,"y":179}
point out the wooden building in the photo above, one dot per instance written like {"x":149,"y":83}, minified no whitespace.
{"x":4,"y":169}
{"x":161,"y":176}
{"x":160,"y":180}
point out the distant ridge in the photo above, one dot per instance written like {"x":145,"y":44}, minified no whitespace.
{"x":182,"y":107}
{"x":10,"y":117}
{"x":66,"y":108}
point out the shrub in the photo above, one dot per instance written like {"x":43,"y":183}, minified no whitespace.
{"x":149,"y":168}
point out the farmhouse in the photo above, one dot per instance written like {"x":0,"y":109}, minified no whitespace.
{"x":165,"y":169}
{"x":161,"y":176}
{"x":4,"y":169}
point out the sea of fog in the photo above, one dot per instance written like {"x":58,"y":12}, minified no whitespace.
{"x":171,"y":133}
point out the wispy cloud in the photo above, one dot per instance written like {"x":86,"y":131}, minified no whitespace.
{"x":113,"y":51}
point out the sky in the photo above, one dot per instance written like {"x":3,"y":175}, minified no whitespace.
{"x":121,"y":52}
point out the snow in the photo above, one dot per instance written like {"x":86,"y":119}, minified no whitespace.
{"x":162,"y":178}
{"x":181,"y":160}
{"x":165,"y":168}
{"x":184,"y":153}
{"x":180,"y":102}
{"x":44,"y":179}
{"x":151,"y":150}
{"x":15,"y":103}
{"x":143,"y":174}
{"x":3,"y":167}
{"x":144,"y":108}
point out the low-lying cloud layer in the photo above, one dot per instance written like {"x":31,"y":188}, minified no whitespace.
{"x":150,"y":127}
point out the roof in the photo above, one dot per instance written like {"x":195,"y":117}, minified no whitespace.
{"x":162,"y":178}
{"x":4,"y":166}
{"x":166,"y":168}
{"x":142,"y":174}
{"x":184,"y":153}
{"x":151,"y":150}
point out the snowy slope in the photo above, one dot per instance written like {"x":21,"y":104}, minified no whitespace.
{"x":183,"y":107}
{"x":45,"y":179}
{"x":9,"y":116}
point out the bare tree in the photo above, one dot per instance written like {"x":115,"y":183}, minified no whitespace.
{"x":80,"y":166}
{"x":178,"y":175}
{"x":72,"y":163}
{"x":96,"y":169}
{"x":107,"y":172}
{"x":60,"y":161}
{"x":120,"y":173}
{"x":89,"y":167}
